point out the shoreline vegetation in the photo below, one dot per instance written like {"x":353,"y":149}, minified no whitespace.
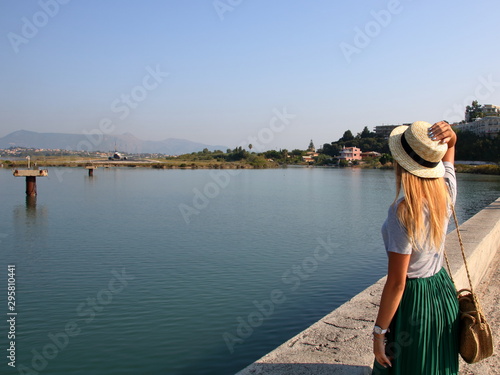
{"x":470,"y":147}
{"x":180,"y":163}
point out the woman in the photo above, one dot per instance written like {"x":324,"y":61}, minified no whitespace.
{"x":416,"y":331}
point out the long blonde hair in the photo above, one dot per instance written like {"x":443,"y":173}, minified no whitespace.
{"x":421,"y":193}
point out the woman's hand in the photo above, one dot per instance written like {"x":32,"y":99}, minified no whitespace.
{"x":394,"y":287}
{"x":441,"y":131}
{"x":379,"y":350}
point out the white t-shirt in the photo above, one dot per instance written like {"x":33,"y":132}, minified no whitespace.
{"x":425,"y":260}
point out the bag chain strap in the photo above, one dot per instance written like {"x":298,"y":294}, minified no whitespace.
{"x":476,"y":302}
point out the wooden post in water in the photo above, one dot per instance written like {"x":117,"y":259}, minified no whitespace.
{"x":31,"y":176}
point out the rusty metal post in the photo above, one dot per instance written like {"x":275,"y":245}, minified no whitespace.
{"x":91,"y":172}
{"x":31,"y":186}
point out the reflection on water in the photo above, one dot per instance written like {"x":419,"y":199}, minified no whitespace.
{"x":30,"y":229}
{"x":30,"y":203}
{"x":66,"y":241}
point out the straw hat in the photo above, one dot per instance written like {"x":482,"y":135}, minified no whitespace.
{"x":412,"y":148}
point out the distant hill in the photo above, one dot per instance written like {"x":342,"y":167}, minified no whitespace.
{"x":124,"y":143}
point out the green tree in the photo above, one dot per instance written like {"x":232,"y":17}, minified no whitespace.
{"x":284,"y":155}
{"x":471,"y":146}
{"x":331,"y":149}
{"x":385,"y":158}
{"x":297,"y":152}
{"x":366,"y":133}
{"x":347,"y":136}
{"x":473,"y":111}
{"x":272,"y":154}
{"x":237,"y":154}
{"x":322,"y":159}
{"x":343,"y":163}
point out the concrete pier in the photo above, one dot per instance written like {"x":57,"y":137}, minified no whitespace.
{"x":341,"y":342}
{"x":31,"y":175}
{"x":91,"y":169}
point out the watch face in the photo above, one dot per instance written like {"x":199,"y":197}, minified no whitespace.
{"x":378,"y":330}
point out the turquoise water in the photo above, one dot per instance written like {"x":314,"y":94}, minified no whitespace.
{"x":140,"y":271}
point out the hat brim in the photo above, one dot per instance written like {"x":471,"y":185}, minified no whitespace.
{"x":405,"y":161}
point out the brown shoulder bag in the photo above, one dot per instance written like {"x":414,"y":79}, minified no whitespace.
{"x":476,"y":341}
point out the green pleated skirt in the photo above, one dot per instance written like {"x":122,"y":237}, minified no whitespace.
{"x":423,"y":337}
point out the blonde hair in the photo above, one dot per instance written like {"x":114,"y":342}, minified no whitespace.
{"x":421,"y":193}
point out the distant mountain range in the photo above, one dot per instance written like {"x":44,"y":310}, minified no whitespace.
{"x":98,"y":142}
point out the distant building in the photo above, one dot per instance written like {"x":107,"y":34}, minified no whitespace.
{"x":486,"y":126}
{"x":491,"y":110}
{"x":310,"y":153}
{"x":311,"y":146}
{"x":308,"y":158}
{"x":385,"y":130}
{"x":350,"y":153}
{"x":370,"y":154}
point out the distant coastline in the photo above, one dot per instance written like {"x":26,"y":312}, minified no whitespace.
{"x":81,"y":162}
{"x":179,"y":163}
{"x":347,"y":152}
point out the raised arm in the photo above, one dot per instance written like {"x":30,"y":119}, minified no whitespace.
{"x":442,"y":131}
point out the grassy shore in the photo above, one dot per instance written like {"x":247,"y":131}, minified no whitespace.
{"x":81,"y":162}
{"x":478,"y":169}
{"x":490,"y":169}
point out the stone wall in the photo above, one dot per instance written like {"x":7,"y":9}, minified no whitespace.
{"x":340,"y":343}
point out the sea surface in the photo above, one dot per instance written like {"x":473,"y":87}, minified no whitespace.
{"x":143,"y":271}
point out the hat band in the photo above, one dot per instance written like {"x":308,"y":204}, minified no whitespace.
{"x":412,"y":154}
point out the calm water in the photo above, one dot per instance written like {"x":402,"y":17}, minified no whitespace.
{"x":112,"y":278}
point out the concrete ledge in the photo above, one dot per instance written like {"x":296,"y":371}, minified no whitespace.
{"x":481,"y":239}
{"x":30,"y":173}
{"x":340,"y":343}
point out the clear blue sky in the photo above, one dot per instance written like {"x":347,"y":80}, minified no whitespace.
{"x":229,"y":68}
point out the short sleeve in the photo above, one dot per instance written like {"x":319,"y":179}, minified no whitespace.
{"x":394,"y":234}
{"x":451,"y":179}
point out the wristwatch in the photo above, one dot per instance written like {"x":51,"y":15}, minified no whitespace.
{"x":379,"y":331}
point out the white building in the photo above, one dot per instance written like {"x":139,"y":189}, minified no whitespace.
{"x":491,"y":110}
{"x":487,"y":126}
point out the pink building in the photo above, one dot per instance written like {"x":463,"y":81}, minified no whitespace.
{"x":350,"y":153}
